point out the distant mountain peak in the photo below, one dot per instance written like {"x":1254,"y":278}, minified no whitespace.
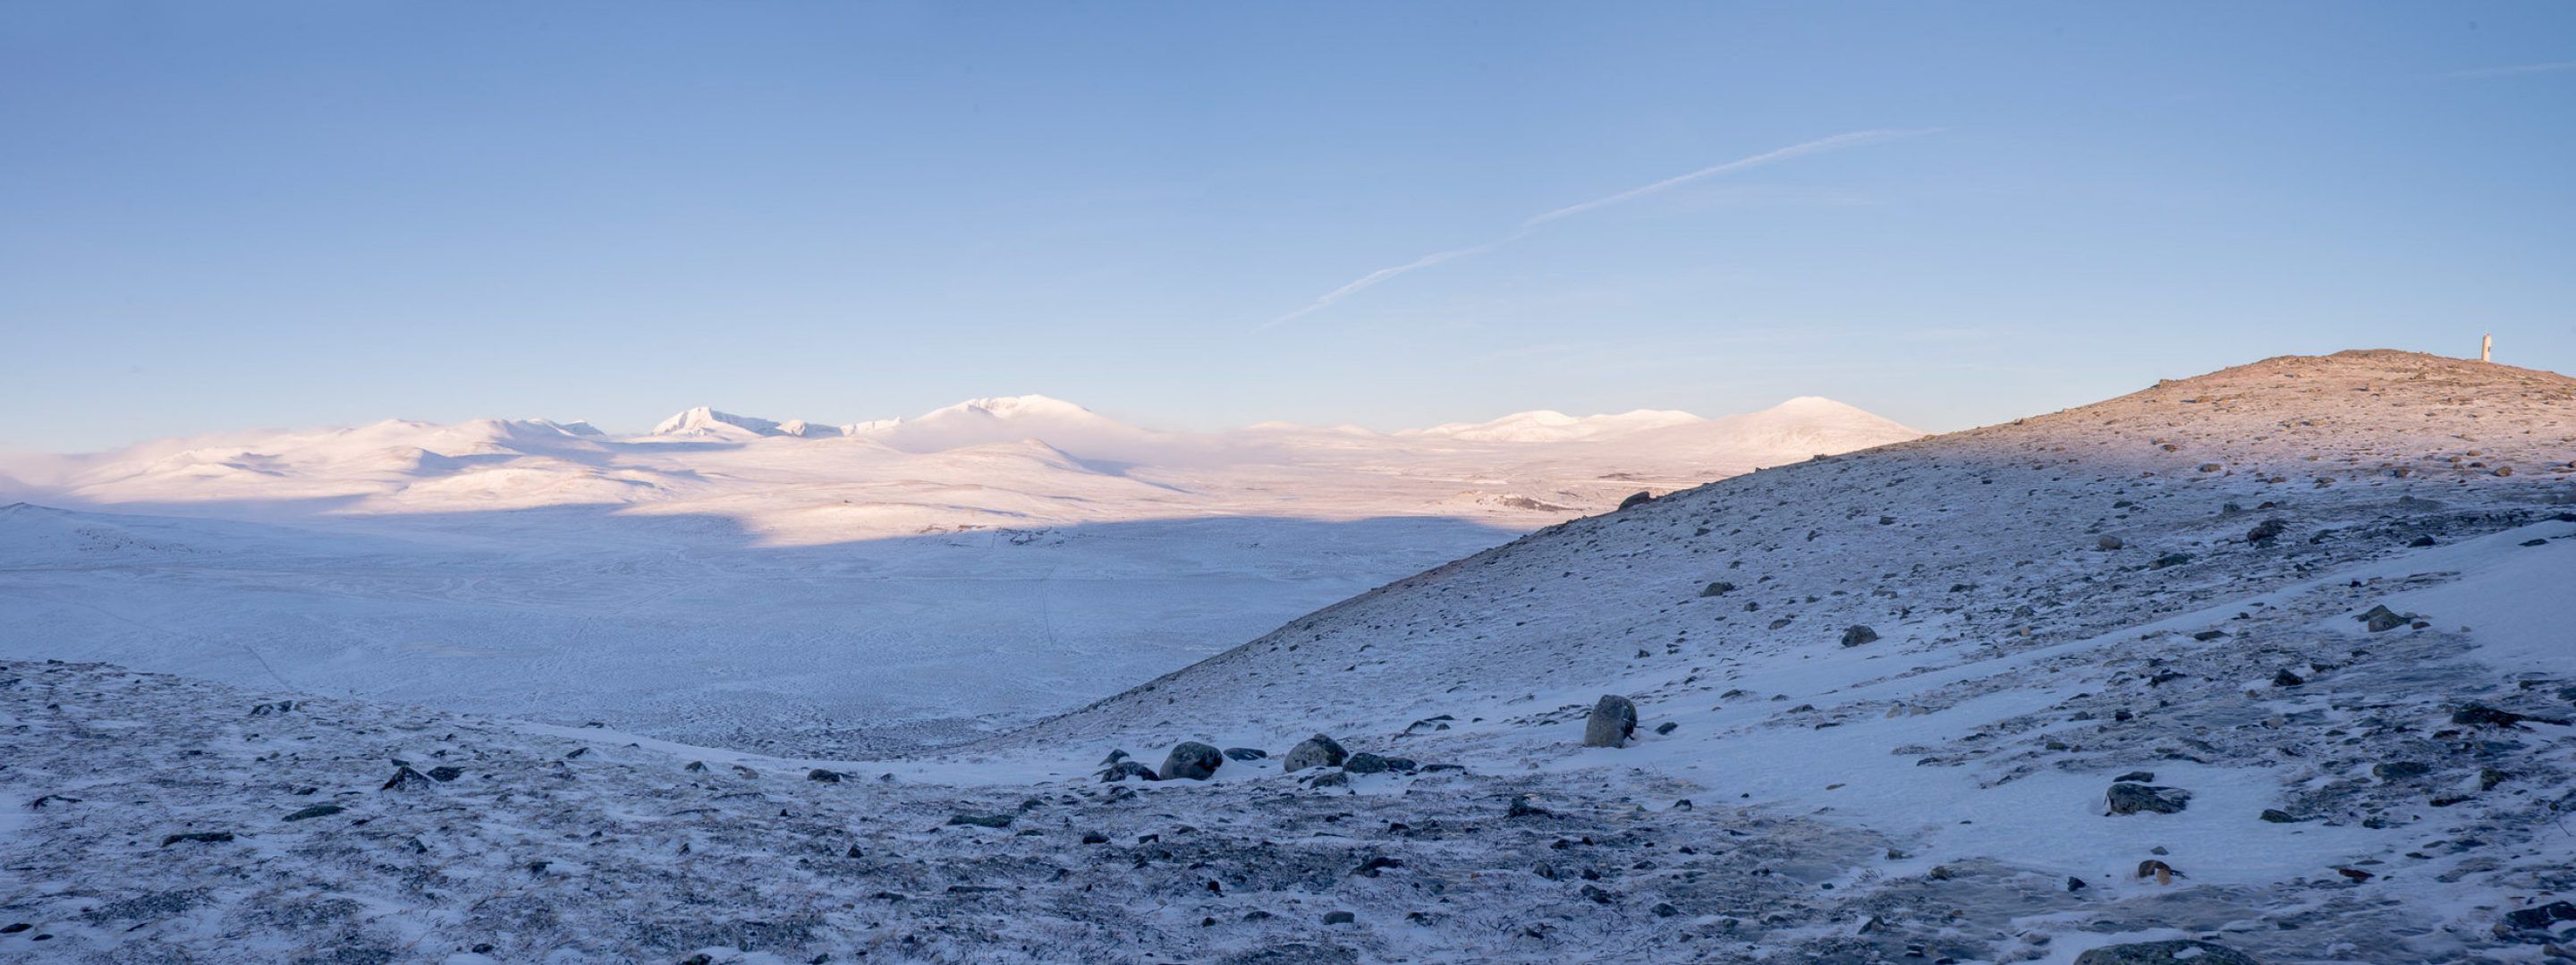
{"x":705,"y":421}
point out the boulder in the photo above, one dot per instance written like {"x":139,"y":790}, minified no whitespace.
{"x":2184,"y":951}
{"x":1613,"y":721}
{"x":1316,"y":751}
{"x":1192,"y":760}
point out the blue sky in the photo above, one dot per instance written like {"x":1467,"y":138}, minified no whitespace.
{"x":222,"y":216}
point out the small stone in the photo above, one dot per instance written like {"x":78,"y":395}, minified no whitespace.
{"x":2108,"y":543}
{"x":1639,"y":498}
{"x":206,"y":837}
{"x":2135,"y":777}
{"x":824,"y":776}
{"x":1719,"y":588}
{"x":980,"y":820}
{"x":2278,"y":816}
{"x":2142,"y":799}
{"x":2266,"y":531}
{"x":1126,"y":769}
{"x":1366,"y":763}
{"x":2400,"y":770}
{"x":1344,"y":917}
{"x":1666,"y":727}
{"x":1245,"y":754}
{"x":316,"y":811}
{"x":2170,"y":559}
{"x":2288,"y":679}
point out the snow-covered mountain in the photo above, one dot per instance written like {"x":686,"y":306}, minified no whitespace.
{"x":2267,"y":665}
{"x":767,"y":472}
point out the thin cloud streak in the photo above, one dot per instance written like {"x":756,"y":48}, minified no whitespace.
{"x":1818,"y":146}
{"x":2515,"y":70}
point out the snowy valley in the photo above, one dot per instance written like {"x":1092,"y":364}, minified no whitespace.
{"x":2271,"y":664}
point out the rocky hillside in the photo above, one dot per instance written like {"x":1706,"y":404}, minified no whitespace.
{"x":1971,"y":545}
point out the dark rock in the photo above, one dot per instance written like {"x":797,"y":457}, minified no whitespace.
{"x":2400,"y":770}
{"x":2184,"y":951}
{"x":2208,"y":635}
{"x":1344,"y":917}
{"x":1316,"y":751}
{"x":1613,"y":721}
{"x":1598,"y":895}
{"x":1094,"y":837}
{"x":1667,"y":727}
{"x":1858,"y":634}
{"x":1193,"y":761}
{"x":448,"y":772}
{"x":1370,"y":867}
{"x":824,"y":776}
{"x":1522,"y":808}
{"x":2278,"y":816}
{"x":2288,"y":679}
{"x":980,"y":820}
{"x":1126,"y":769}
{"x":2074,"y":883}
{"x":2481,"y":715}
{"x":2380,"y":618}
{"x":406,"y":779}
{"x":1365,"y":763}
{"x":316,"y":811}
{"x":1639,"y":498}
{"x":2143,"y":799}
{"x":2108,"y":543}
{"x":2266,"y":531}
{"x":1331,"y":779}
{"x":2135,"y":777}
{"x":1665,"y":910}
{"x":208,"y":837}
{"x":1719,"y":588}
{"x":2421,"y":542}
{"x":2170,"y":559}
{"x":2544,"y":916}
{"x":1245,"y":753}
{"x":1113,"y":758}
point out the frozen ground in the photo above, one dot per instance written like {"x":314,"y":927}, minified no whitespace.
{"x":2080,"y":601}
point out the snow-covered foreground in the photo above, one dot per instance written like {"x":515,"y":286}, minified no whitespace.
{"x":2297,"y":620}
{"x":726,"y":581}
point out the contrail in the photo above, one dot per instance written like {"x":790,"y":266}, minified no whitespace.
{"x":1836,"y":142}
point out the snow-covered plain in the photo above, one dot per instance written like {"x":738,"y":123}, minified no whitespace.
{"x":788,"y":586}
{"x":2163,"y":590}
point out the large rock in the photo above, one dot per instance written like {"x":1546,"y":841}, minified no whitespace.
{"x":1316,"y":751}
{"x":2178,"y":952}
{"x":1192,"y":760}
{"x":2143,"y":799}
{"x":1613,"y":721}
